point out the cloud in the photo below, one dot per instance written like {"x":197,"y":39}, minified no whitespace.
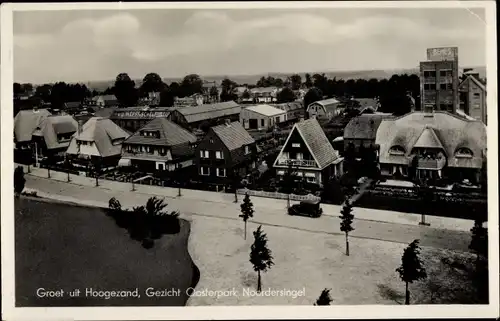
{"x":102,"y":46}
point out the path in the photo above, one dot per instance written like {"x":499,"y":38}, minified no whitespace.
{"x":264,"y":214}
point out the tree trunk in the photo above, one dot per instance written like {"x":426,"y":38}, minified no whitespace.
{"x":29,"y":168}
{"x":48,"y":171}
{"x":346,"y":244}
{"x":259,"y":285}
{"x":179,"y":192}
{"x":96,"y":180}
{"x":288,"y":201}
{"x":407,"y":300}
{"x":235,"y":195}
{"x":69,"y":179}
{"x":245,"y":237}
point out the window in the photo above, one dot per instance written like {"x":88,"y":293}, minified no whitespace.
{"x":277,"y":120}
{"x":247,"y":150}
{"x":204,"y":154}
{"x":463,"y":152}
{"x":295,"y":145}
{"x":477,"y":95}
{"x":430,"y":86}
{"x":205,"y":171}
{"x":397,"y":150}
{"x":219,"y":155}
{"x":429,"y":73}
{"x":221,"y":172}
{"x":262,"y":122}
{"x":211,"y":141}
{"x":311,"y":179}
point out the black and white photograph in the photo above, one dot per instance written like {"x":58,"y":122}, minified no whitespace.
{"x":259,"y":154}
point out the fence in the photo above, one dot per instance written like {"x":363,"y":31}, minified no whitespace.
{"x":276,"y":195}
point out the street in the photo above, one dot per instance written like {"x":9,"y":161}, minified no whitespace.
{"x":265,"y":215}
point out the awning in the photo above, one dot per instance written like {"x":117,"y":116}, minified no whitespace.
{"x":124,"y":162}
{"x":310,"y":175}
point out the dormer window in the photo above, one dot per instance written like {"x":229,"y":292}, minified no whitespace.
{"x":397,"y":150}
{"x":463,"y":152}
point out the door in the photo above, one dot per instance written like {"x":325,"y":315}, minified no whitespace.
{"x":161,"y":167}
{"x":253,"y":123}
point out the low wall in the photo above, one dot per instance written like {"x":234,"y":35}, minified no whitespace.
{"x":277,"y":195}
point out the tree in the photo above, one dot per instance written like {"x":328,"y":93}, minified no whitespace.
{"x":296,"y":81}
{"x":324,"y":298}
{"x":479,"y":240}
{"x":308,"y":81}
{"x":246,"y":211}
{"x":411,"y":268}
{"x":18,"y":90}
{"x":125,"y":90}
{"x":346,"y":223}
{"x":246,"y":94}
{"x":288,"y":182}
{"x":214,"y":93}
{"x":114,"y":204}
{"x":19,"y":180}
{"x":191,"y":84}
{"x":152,"y":82}
{"x":228,"y":90}
{"x":167,"y":97}
{"x":286,"y":95}
{"x":314,"y":94}
{"x":260,"y":255}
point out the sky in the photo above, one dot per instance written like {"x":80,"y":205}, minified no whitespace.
{"x":97,"y":45}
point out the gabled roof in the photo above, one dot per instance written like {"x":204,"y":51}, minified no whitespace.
{"x":107,"y":97}
{"x":262,"y":90}
{"x":209,"y":111}
{"x":72,"y":104}
{"x":288,"y":107}
{"x":233,"y":135}
{"x":475,"y":81}
{"x":266,"y":110}
{"x":26,"y":121}
{"x":428,"y":139}
{"x":56,"y":125}
{"x":364,"y":126}
{"x":171,"y":134}
{"x":453,"y":132}
{"x":102,"y":132}
{"x":316,"y":141}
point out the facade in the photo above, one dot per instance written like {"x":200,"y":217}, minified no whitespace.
{"x":99,"y":139}
{"x":264,"y":95}
{"x":362,"y":130}
{"x":227,"y":150}
{"x":193,"y":117}
{"x":191,"y":101}
{"x":309,"y":153}
{"x":294,"y":110}
{"x":53,"y":135}
{"x":437,"y":145}
{"x":439,"y":80}
{"x":133,"y":118}
{"x":106,"y":101}
{"x":324,"y":109}
{"x":473,"y":97}
{"x":261,"y":117}
{"x":25,"y":124}
{"x":159,"y":146}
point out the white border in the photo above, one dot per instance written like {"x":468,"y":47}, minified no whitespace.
{"x":9,"y":312}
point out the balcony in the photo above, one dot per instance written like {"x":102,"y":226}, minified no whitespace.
{"x":296,"y":162}
{"x":429,"y":163}
{"x":147,"y":156}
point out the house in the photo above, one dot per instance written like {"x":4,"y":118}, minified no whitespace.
{"x":72,"y":107}
{"x":106,"y":101}
{"x":362,"y":130}
{"x":193,"y":117}
{"x":309,"y":153}
{"x":325,"y":109}
{"x":473,"y":96}
{"x":207,"y":88}
{"x":227,"y":151}
{"x":431,"y":145}
{"x":25,"y":124}
{"x":294,"y":110}
{"x":159,"y":146}
{"x":99,"y":139}
{"x":191,"y":101}
{"x":133,"y":118}
{"x":53,"y":135}
{"x":261,"y":117}
{"x":264,"y":94}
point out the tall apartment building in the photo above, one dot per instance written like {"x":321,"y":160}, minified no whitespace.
{"x":439,"y":80}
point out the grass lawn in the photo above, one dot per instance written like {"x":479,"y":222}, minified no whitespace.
{"x":314,"y":261}
{"x":60,"y":246}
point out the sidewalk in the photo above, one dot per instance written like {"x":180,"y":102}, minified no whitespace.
{"x":259,"y":202}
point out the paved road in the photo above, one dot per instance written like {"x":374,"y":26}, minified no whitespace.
{"x":429,"y":236}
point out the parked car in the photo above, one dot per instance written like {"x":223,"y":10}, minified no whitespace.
{"x":306,"y":208}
